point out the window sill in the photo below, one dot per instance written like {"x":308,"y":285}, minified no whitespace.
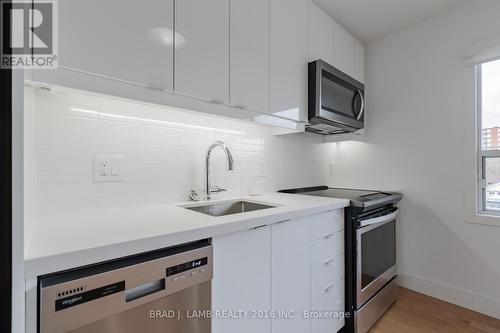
{"x":484,"y":219}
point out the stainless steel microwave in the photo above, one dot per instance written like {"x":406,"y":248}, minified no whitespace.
{"x":336,"y":100}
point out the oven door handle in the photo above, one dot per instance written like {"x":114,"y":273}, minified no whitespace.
{"x":380,"y":219}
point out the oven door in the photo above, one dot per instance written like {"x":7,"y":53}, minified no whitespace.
{"x":376,"y":255}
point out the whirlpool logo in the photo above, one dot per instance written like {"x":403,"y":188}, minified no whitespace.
{"x":71,"y":301}
{"x":29,"y":34}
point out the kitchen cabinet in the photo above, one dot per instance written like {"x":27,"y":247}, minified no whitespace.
{"x":288,"y":268}
{"x":116,"y":39}
{"x":202,"y":49}
{"x":327,"y":269}
{"x":359,"y":61}
{"x":290,"y":274}
{"x":321,"y":34}
{"x":288,"y":58}
{"x":249,"y":56}
{"x":242,"y":279}
{"x":344,"y":50}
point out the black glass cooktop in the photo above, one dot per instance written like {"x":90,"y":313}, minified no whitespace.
{"x":356,"y":196}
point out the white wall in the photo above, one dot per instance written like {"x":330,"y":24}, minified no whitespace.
{"x":420,"y":139}
{"x":163,"y":153}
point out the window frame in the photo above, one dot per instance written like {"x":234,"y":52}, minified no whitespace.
{"x":482,"y":155}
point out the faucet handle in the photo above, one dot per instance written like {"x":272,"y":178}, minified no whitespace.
{"x":217,"y":189}
{"x":194,"y":196}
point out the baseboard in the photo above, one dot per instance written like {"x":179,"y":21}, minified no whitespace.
{"x":455,"y":295}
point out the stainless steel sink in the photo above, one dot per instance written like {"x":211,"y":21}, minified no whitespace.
{"x":228,"y":208}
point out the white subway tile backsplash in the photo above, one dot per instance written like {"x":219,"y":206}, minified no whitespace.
{"x":163,"y":153}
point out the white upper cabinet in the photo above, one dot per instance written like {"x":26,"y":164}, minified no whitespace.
{"x":117,"y":39}
{"x":242,"y":54}
{"x":321,"y":34}
{"x":249,"y":56}
{"x":344,"y":50}
{"x":288,"y":58}
{"x":202,"y":49}
{"x":242,"y":279}
{"x":359,"y":61}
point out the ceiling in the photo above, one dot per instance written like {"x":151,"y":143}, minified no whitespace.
{"x":372,"y":19}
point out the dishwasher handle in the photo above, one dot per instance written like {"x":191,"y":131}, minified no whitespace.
{"x":144,"y":290}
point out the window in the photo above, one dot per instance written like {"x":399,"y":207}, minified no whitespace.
{"x":488,"y":106}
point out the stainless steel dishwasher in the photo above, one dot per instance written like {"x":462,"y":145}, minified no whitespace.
{"x":168,"y":290}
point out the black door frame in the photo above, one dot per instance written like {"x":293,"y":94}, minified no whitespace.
{"x":6,"y":199}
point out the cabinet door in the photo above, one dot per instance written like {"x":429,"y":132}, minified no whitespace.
{"x":290,"y":274}
{"x":327,"y":269}
{"x":242,"y":279}
{"x":325,"y":283}
{"x":118,"y":39}
{"x":359,"y":61}
{"x":344,"y":50}
{"x":321,"y":34}
{"x":288,"y":54}
{"x":249,"y":56}
{"x":202,"y":49}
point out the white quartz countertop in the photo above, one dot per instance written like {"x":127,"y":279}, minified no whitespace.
{"x":68,"y":240}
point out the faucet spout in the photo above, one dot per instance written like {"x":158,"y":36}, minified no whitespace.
{"x":230,"y":165}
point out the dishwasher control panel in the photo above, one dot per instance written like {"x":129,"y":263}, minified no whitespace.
{"x":187,"y":266}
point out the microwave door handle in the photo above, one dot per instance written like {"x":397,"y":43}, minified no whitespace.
{"x":362,"y":109}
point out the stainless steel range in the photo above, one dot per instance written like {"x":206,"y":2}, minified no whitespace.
{"x":370,"y":247}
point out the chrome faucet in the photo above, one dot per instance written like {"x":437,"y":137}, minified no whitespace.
{"x":230,"y":166}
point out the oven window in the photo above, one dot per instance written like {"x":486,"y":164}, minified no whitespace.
{"x":378,"y":252}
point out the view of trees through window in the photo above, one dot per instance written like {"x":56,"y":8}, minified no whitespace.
{"x":490,"y":134}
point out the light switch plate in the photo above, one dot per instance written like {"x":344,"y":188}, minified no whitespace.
{"x":332,"y":168}
{"x":107,"y":168}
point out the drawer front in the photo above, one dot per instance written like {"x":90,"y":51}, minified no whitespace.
{"x":325,"y":225}
{"x":327,"y":283}
{"x":334,"y":322}
{"x":323,"y":265}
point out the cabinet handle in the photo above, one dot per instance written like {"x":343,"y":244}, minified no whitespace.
{"x":329,"y":261}
{"x":217,"y":101}
{"x":328,"y":235}
{"x":328,"y":288}
{"x":258,"y":227}
{"x":282,"y":221}
{"x":156,"y":87}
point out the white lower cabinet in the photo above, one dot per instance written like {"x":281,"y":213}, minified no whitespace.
{"x":279,"y":272}
{"x":327,"y":285}
{"x":327,"y":271}
{"x":290,"y":275}
{"x":241,"y":280}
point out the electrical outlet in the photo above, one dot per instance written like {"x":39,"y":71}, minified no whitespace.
{"x":107,"y":168}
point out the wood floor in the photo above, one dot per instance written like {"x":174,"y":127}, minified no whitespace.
{"x":414,"y":312}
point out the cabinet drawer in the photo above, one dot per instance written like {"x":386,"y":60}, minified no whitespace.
{"x":331,"y":301}
{"x":326,"y":224}
{"x":323,"y":262}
